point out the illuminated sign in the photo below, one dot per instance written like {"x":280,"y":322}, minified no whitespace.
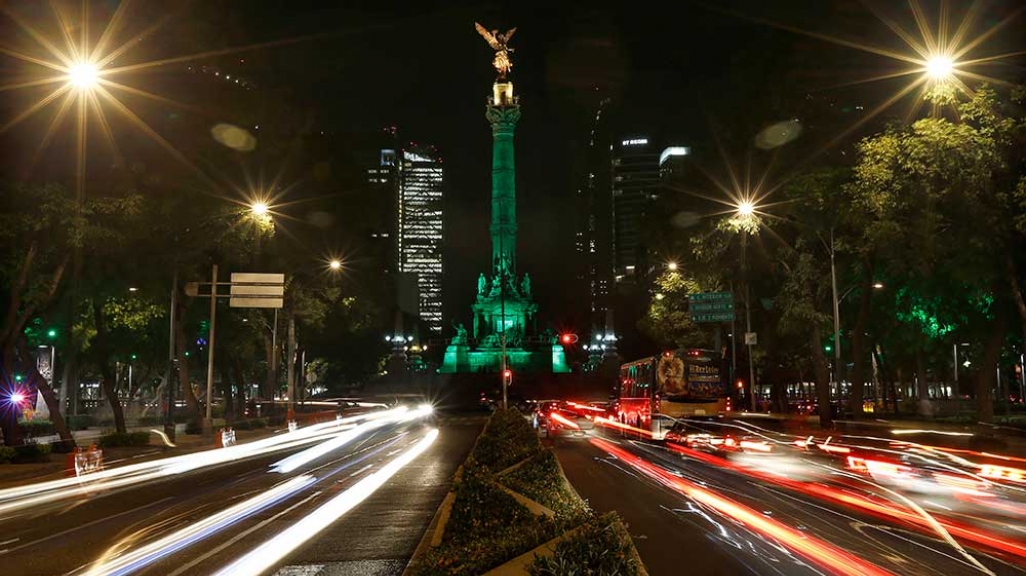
{"x":674,"y":151}
{"x":636,"y":142}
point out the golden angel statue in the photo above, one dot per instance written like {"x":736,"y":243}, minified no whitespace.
{"x":498,"y":42}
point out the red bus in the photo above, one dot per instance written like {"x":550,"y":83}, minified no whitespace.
{"x":678,"y":384}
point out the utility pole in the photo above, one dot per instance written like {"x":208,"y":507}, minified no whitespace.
{"x":291,"y":373}
{"x":208,"y":423}
{"x":838,"y":372}
{"x":169,"y":419}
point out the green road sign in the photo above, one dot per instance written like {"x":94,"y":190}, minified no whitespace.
{"x":712,"y":317}
{"x":711,"y":307}
{"x":711,"y":297}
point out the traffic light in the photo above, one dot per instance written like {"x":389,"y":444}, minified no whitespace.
{"x":828,"y":347}
{"x":507,"y":376}
{"x":51,"y":333}
{"x":568,"y":338}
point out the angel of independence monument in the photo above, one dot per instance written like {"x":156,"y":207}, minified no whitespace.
{"x":504,"y":331}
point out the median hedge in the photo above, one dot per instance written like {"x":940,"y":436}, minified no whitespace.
{"x":540,"y":480}
{"x":602,"y":547}
{"x":487,"y":527}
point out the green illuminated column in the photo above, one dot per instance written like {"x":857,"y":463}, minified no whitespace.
{"x":502,"y":113}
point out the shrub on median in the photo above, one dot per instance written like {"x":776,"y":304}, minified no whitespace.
{"x":486,"y":528}
{"x":508,"y":439}
{"x":126,"y":439}
{"x":7,"y":454}
{"x":539,"y":479}
{"x":602,"y":547}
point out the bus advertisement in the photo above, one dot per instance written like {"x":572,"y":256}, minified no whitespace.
{"x":677,"y":384}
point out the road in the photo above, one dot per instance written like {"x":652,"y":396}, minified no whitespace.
{"x":793,"y":510}
{"x":355,"y":506}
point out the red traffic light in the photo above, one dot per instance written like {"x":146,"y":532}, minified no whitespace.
{"x":568,"y":338}
{"x":507,"y":373}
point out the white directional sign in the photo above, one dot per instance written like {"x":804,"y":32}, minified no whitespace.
{"x":250,"y":290}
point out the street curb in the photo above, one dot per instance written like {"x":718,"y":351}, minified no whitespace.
{"x":436,"y":528}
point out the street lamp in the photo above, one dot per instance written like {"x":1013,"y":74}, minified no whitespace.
{"x":335,"y":264}
{"x":671,"y":266}
{"x":259,"y":208}
{"x":84,"y":75}
{"x":746,"y":221}
{"x":939,"y":67}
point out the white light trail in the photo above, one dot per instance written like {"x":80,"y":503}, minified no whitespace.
{"x":22,"y":497}
{"x":194,"y":532}
{"x":399,"y":414}
{"x":268,"y":554}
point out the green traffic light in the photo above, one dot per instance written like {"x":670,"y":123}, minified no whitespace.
{"x":828,"y":348}
{"x":51,"y":333}
{"x":17,"y":377}
{"x":134,"y":356}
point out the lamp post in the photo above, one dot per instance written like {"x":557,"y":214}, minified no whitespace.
{"x":746,"y":211}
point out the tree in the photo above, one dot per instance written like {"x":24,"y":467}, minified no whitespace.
{"x":41,"y":227}
{"x":942,"y":192}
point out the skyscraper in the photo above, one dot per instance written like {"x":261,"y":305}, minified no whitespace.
{"x":635,"y":174}
{"x":420,"y":180}
{"x":592,"y":237}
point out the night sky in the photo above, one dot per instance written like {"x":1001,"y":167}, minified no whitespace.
{"x":679,"y":71}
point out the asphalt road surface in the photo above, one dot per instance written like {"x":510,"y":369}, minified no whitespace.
{"x":356,"y":507}
{"x":695,"y":512}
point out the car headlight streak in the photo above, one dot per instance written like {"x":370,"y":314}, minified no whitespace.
{"x":274,"y":550}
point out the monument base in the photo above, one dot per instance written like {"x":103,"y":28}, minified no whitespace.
{"x":460,"y":359}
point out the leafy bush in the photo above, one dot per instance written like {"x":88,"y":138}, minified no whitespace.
{"x":7,"y":454}
{"x":126,"y":439}
{"x":36,"y":428}
{"x":31,"y":453}
{"x":79,"y":421}
{"x":539,"y":479}
{"x":486,"y":528}
{"x":508,"y":439}
{"x":601,"y":548}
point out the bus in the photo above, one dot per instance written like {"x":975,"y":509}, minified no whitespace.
{"x":676,"y":384}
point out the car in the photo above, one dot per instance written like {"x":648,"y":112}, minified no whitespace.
{"x":564,"y":423}
{"x":695,"y":438}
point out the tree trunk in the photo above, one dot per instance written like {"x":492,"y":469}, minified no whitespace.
{"x":985,"y":376}
{"x":240,"y":382}
{"x":226,"y":388}
{"x":191,"y":403}
{"x":923,"y":406}
{"x":102,"y":345}
{"x":9,"y":417}
{"x":53,"y":403}
{"x":822,"y":374}
{"x":858,"y":339}
{"x":270,"y":355}
{"x":1012,"y":275}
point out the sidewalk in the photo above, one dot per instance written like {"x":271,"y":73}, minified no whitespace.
{"x":16,"y":474}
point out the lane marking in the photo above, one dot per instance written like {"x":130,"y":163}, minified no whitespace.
{"x":86,"y":525}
